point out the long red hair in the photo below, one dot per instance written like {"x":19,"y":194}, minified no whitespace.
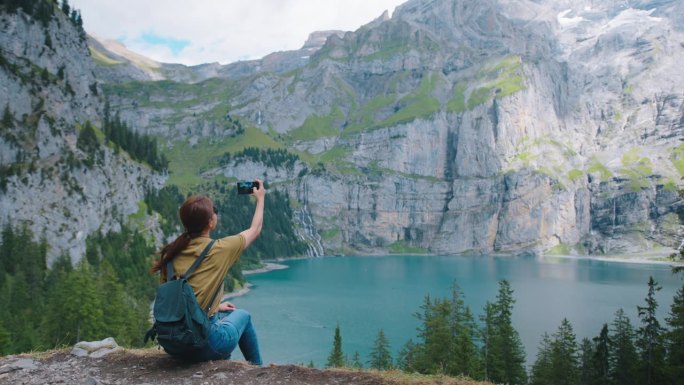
{"x":195,"y":214}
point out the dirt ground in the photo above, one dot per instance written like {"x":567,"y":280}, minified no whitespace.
{"x":154,"y":367}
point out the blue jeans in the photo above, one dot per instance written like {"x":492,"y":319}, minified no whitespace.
{"x":229,"y":330}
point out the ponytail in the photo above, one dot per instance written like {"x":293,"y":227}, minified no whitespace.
{"x":195,"y":214}
{"x":169,"y":252}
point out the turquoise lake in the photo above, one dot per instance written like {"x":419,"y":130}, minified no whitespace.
{"x":295,"y":310}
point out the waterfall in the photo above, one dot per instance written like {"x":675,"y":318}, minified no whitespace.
{"x":307,"y":232}
{"x":614,"y":215}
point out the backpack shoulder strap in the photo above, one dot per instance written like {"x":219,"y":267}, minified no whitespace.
{"x":169,"y":265}
{"x":218,"y":289}
{"x":199,"y":260}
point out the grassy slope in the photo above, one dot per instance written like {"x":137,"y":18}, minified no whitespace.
{"x":188,"y":162}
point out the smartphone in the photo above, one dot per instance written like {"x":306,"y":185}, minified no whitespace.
{"x":246,"y":187}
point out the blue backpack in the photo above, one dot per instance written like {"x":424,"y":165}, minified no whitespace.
{"x":181,"y":326}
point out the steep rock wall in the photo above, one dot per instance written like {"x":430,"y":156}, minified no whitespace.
{"x":49,"y":183}
{"x":483,"y":127}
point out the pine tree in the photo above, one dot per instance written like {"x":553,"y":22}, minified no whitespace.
{"x":464,"y":355}
{"x":600,"y":362}
{"x":87,"y":141}
{"x":22,"y":317}
{"x":336,"y":358}
{"x":542,"y":369}
{"x":623,"y":359}
{"x":356,"y":361}
{"x":5,"y":341}
{"x":380,"y":356}
{"x":675,"y":338}
{"x":65,"y":8}
{"x":487,"y":335}
{"x":507,"y":362}
{"x":407,"y":356}
{"x":75,"y":308}
{"x":435,"y":335}
{"x":52,"y":335}
{"x":7,"y":118}
{"x":564,"y":358}
{"x":587,"y":373}
{"x":120,"y":319}
{"x":650,"y":339}
{"x":678,"y":257}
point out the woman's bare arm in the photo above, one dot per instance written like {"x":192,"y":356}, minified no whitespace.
{"x":252,"y":233}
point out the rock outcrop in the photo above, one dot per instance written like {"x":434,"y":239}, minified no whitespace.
{"x":154,"y":367}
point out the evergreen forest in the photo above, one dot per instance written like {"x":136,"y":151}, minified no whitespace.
{"x":451,"y":340}
{"x":108,"y":293}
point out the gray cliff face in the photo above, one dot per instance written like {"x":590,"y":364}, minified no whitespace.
{"x":47,"y":185}
{"x":473,"y":127}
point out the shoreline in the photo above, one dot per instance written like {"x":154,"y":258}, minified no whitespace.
{"x":651,"y":257}
{"x":244,"y":290}
{"x":268,"y":266}
{"x":659,"y":256}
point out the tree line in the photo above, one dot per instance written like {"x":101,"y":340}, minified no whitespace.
{"x":105,"y":294}
{"x":268,"y":157}
{"x":141,"y":147}
{"x":44,"y":10}
{"x":451,"y":342}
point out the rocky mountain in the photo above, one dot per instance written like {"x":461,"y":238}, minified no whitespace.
{"x":118,"y":64}
{"x":58,"y":177}
{"x":457,"y":127}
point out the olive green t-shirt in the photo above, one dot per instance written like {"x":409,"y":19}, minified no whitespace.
{"x":210,"y":273}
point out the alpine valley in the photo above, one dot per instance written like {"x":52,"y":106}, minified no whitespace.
{"x":453,"y":127}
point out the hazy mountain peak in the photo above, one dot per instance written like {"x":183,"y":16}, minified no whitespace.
{"x":317,"y":39}
{"x":118,"y":48}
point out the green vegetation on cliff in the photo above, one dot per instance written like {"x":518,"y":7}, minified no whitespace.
{"x":678,"y":158}
{"x":188,"y":161}
{"x":493,"y":81}
{"x":44,"y":11}
{"x":316,"y":127}
{"x":637,"y":169}
{"x":142,"y":148}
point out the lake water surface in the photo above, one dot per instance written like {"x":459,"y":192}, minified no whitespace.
{"x":296,"y":310}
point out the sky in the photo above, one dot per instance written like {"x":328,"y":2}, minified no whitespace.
{"x":205,"y":31}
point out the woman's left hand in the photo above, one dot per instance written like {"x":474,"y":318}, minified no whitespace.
{"x":226,"y":306}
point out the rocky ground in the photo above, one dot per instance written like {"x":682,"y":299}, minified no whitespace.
{"x":154,"y":367}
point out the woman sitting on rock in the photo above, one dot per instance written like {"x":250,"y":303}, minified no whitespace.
{"x":230,"y":327}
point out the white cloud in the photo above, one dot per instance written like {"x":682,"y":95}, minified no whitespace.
{"x":223,"y":30}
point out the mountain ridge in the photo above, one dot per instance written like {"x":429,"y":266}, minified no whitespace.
{"x":119,"y":64}
{"x":449,"y":128}
{"x":452,"y":127}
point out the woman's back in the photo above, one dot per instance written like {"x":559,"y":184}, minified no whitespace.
{"x":210,"y":273}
